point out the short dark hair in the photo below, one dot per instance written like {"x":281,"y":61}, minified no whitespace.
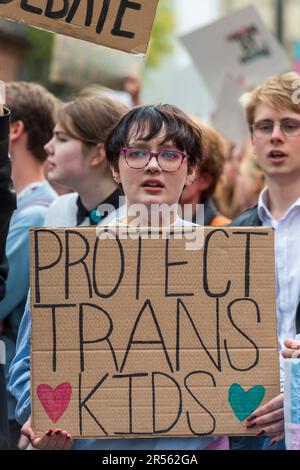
{"x":147,"y":121}
{"x":35,"y":106}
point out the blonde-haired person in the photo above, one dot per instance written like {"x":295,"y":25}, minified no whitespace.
{"x":273,"y":115}
{"x":206,"y":179}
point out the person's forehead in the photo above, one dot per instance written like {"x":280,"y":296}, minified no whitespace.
{"x":137,"y":135}
{"x":59,"y":127}
{"x":264,"y":111}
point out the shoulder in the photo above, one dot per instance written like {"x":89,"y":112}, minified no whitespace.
{"x":247,"y":218}
{"x":67,"y":200}
{"x":32,"y":215}
{"x":62,"y":211}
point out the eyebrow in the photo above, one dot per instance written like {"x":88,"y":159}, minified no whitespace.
{"x":281,"y":120}
{"x":263,"y":120}
{"x":146,"y":142}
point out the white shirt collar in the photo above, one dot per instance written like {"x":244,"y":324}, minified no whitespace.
{"x":263,"y":206}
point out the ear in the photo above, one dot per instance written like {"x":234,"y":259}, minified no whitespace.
{"x":115,"y":174}
{"x":99,"y":155}
{"x":17,"y":130}
{"x":190,"y":177}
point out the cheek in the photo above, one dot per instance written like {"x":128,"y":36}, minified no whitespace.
{"x":128,"y":176}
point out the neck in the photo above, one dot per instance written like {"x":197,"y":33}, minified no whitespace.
{"x":193,"y":203}
{"x":151,"y":217}
{"x":96,"y":190}
{"x":25,"y":171}
{"x":282,"y":194}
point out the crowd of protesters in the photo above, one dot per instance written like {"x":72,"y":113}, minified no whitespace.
{"x":69,"y":158}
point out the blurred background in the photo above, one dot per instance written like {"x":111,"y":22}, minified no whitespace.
{"x":65,"y":65}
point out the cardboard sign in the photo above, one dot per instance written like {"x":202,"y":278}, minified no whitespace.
{"x":120,"y":24}
{"x":239,"y":44}
{"x":78,"y":63}
{"x":135,"y":337}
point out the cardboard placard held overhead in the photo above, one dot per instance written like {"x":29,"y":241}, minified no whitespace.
{"x":135,"y":337}
{"x":238,"y":44}
{"x":119,"y":24}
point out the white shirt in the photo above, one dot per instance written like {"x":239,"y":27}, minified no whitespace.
{"x":287,"y":259}
{"x":63,"y":212}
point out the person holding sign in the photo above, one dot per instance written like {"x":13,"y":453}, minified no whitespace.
{"x":7,"y":206}
{"x":273,"y":114}
{"x":153,"y":152}
{"x":76,"y":158}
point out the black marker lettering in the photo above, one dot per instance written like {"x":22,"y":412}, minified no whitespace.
{"x":83,"y":403}
{"x":81,"y":260}
{"x":130,"y":406}
{"x":181,"y":306}
{"x":105,"y":337}
{"x":199,"y":403}
{"x":147,"y":306}
{"x":39,"y":268}
{"x":58,"y":13}
{"x":229,"y":313}
{"x":53,"y":307}
{"x":167,"y":265}
{"x":121,"y":270}
{"x":117,"y":31}
{"x":102,"y":17}
{"x":154,"y":406}
{"x":138,"y":269}
{"x":248,"y":257}
{"x":205,"y":269}
{"x":89,"y":12}
{"x":24,"y":5}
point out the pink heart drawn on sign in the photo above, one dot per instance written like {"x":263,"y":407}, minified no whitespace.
{"x":55,"y":401}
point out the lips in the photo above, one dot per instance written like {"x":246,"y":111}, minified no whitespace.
{"x":50,"y":164}
{"x":153,"y":183}
{"x":277,"y":154}
{"x":277,"y":157}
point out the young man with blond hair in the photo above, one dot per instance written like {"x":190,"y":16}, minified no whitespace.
{"x":273,"y":115}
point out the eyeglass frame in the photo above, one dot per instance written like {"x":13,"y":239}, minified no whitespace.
{"x":280,"y":125}
{"x":155,"y":155}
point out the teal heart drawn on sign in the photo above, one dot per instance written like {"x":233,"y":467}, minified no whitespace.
{"x":244,"y":403}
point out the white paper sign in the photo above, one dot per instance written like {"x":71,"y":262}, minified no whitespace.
{"x":239,"y":44}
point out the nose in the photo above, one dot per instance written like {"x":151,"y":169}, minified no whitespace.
{"x":153,"y":165}
{"x":48,"y":147}
{"x":277,"y":134}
